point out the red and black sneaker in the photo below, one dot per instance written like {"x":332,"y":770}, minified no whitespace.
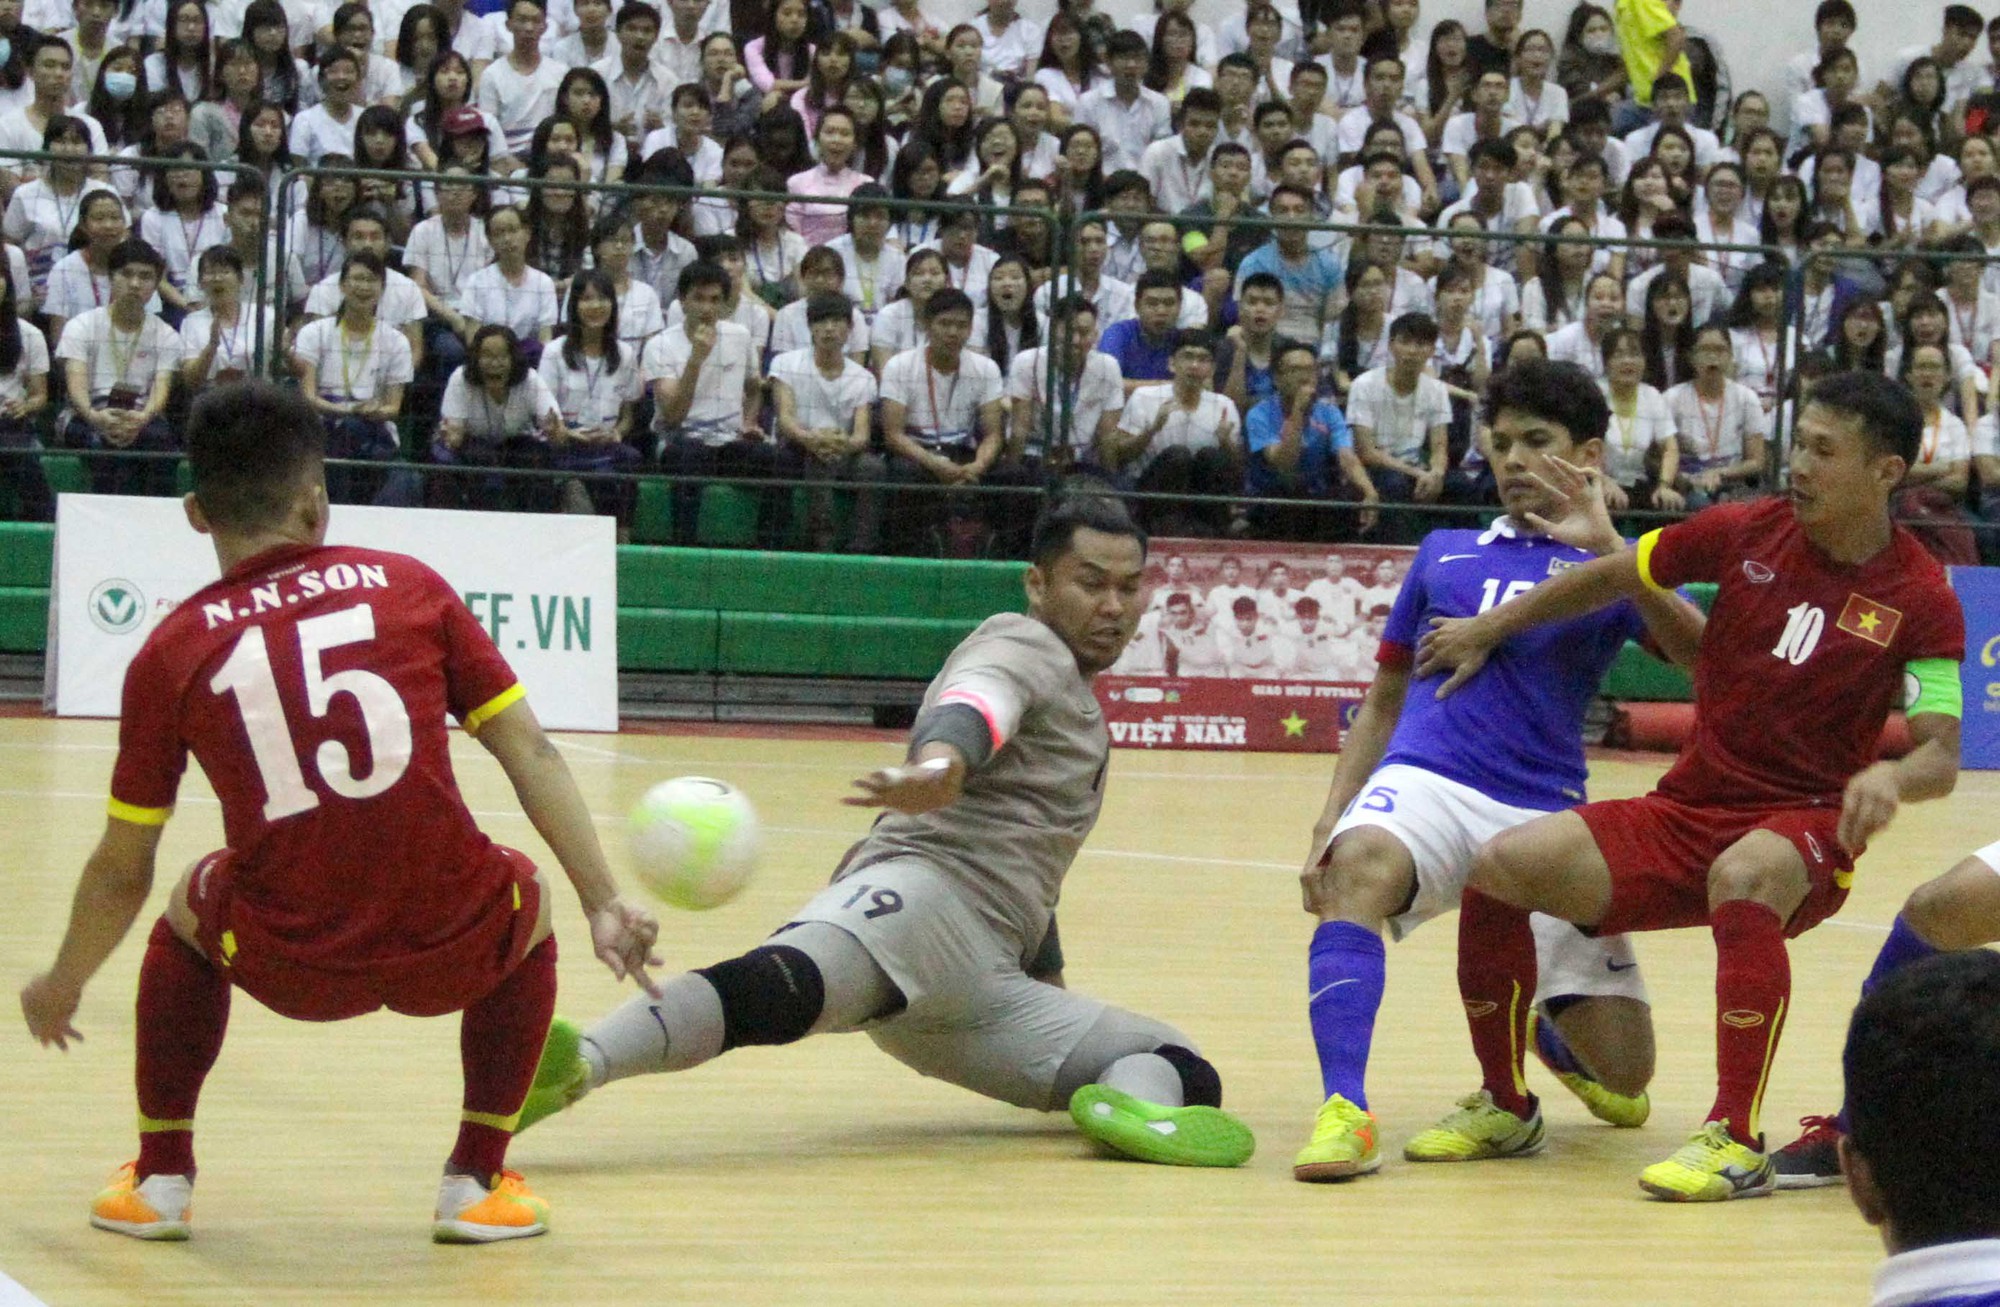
{"x":1813,"y":1159}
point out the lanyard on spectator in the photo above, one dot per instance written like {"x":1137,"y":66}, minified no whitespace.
{"x":950,"y":394}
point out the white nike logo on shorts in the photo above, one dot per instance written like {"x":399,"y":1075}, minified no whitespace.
{"x":1449,"y":557}
{"x":1314,"y":998}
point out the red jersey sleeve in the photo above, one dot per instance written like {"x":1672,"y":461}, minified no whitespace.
{"x":151,"y":753}
{"x":1395,"y":656}
{"x":1937,"y":625}
{"x":478,"y":682}
{"x":1698,"y":548}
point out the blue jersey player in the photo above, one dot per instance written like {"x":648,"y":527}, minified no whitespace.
{"x":1423,"y":781}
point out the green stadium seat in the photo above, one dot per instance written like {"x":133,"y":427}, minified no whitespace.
{"x":664,"y":578}
{"x":27,"y":554}
{"x":975,"y":591}
{"x":667,"y":639}
{"x":653,"y":515}
{"x":66,"y":473}
{"x":183,"y":478}
{"x":24,"y":619}
{"x":728,"y":517}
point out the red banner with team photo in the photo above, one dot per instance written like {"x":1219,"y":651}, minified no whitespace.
{"x":1252,"y":646}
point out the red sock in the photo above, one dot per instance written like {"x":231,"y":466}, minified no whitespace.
{"x":1496,"y":979}
{"x":1753,"y":987}
{"x":499,"y":1041}
{"x":183,"y":1013}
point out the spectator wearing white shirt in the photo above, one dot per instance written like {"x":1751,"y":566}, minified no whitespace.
{"x":1672,"y":104}
{"x":219,"y":340}
{"x":24,"y":393}
{"x":707,"y":391}
{"x":1720,"y":424}
{"x":676,"y":54}
{"x":352,"y":368}
{"x":1499,"y":206}
{"x":1641,"y":454}
{"x":593,"y":377}
{"x":1383,"y":103}
{"x":187,"y":218}
{"x":42,"y":214}
{"x":1088,"y":392}
{"x":1177,"y":167}
{"x":638,"y":90}
{"x":1401,"y":417}
{"x":82,"y":279}
{"x":508,"y":290}
{"x":1953,"y":54}
{"x":118,"y":368}
{"x":823,"y":399}
{"x":588,"y":43}
{"x":1708,"y":293}
{"x":40,"y":122}
{"x":443,"y":251}
{"x":821,"y":272}
{"x":520,"y":90}
{"x":1532,"y":99}
{"x":1487,"y":120}
{"x":1181,"y":438}
{"x":874,"y":268}
{"x":399,"y":306}
{"x":942,"y":410}
{"x":1127,"y":115}
{"x":354,"y":29}
{"x":328,"y":127}
{"x":1009,"y":43}
{"x":497,"y":412}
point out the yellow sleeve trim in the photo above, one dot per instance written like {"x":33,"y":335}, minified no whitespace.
{"x":137,"y":816}
{"x":493,"y":707}
{"x":1644,"y":553}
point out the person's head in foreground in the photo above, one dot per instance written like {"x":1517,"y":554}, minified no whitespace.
{"x":1535,"y":411}
{"x":1856,"y":437}
{"x":1922,"y":1149}
{"x":1086,"y":574}
{"x":255,"y":452}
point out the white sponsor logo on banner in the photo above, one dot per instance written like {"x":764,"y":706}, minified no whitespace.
{"x":544,"y":587}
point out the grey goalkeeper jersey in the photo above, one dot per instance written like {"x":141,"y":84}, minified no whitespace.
{"x":1016,"y":828}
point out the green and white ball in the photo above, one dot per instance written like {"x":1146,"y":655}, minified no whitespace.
{"x":693,"y":841}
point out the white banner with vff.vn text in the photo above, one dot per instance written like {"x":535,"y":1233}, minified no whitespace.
{"x":545,"y":588}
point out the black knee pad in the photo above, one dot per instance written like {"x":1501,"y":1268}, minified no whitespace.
{"x":770,"y":995}
{"x":1200,"y":1085}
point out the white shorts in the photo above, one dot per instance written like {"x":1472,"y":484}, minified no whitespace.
{"x":1443,"y":824}
{"x":972,"y":1016}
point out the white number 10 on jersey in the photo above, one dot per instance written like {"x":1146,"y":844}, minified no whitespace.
{"x":1803,"y":624}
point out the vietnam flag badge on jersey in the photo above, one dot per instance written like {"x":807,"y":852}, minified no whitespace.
{"x":1873,"y":622}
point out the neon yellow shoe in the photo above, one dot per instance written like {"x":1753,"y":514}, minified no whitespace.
{"x":156,"y":1208}
{"x":469,"y":1212}
{"x":1152,"y":1132}
{"x":1344,"y":1144}
{"x":1626,"y":1111}
{"x":1710,"y":1167}
{"x":561,"y":1078}
{"x":1478,"y":1131}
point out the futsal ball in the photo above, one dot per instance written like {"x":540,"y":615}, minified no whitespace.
{"x":693,"y":841}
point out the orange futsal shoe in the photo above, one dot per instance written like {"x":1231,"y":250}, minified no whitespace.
{"x":156,"y":1208}
{"x":469,"y":1212}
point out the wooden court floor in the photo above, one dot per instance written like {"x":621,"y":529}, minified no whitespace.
{"x":826,"y":1173}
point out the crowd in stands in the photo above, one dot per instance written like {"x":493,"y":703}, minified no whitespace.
{"x":1201,"y":345}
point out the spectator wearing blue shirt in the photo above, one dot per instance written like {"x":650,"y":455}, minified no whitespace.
{"x":1296,"y":441}
{"x":1247,"y":355}
{"x":1144,"y":345}
{"x":1922,"y":1152}
{"x":1313,"y":279}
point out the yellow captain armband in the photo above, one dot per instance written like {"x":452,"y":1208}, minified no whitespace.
{"x":1931,"y":685}
{"x":136,"y":815}
{"x":493,"y":707}
{"x":1643,"y":555}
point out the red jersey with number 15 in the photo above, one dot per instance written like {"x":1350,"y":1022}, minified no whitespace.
{"x":312,"y":684}
{"x":1803,"y":658}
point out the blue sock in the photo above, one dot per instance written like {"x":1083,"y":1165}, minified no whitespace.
{"x":1344,"y":978}
{"x":1554,"y":1049}
{"x":1903,"y":947}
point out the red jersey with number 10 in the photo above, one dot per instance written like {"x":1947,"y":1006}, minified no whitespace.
{"x":312,"y":684}
{"x":1803,"y":658}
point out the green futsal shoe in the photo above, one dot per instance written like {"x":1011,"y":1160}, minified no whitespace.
{"x":1175,"y":1136}
{"x":561,"y":1077}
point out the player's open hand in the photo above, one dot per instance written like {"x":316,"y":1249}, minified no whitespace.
{"x":913,"y":788}
{"x":1580,"y":518}
{"x":622,"y":935}
{"x":1453,"y":644}
{"x":1868,"y":806}
{"x":50,"y":1007}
